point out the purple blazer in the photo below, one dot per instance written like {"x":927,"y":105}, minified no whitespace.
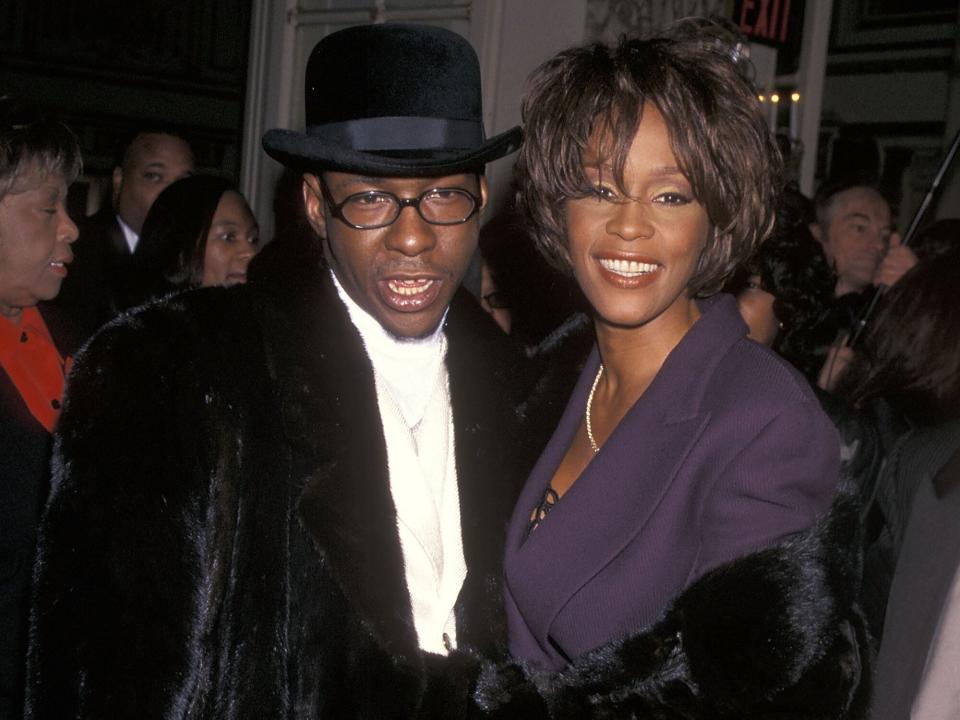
{"x":726,"y":452}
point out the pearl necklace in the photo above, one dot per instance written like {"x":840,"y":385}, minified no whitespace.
{"x":596,"y":381}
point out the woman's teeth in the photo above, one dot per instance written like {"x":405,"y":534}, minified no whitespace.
{"x":627,"y":268}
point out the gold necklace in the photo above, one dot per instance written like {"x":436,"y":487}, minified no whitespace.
{"x":596,"y":381}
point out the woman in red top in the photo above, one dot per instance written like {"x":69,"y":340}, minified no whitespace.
{"x":39,"y":158}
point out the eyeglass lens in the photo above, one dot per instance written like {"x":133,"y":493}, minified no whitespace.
{"x":440,"y":206}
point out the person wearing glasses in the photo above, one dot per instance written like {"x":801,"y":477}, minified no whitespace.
{"x":306,"y":473}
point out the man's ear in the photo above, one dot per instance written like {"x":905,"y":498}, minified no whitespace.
{"x":816,"y":232}
{"x":313,"y":204}
{"x":484,"y":192}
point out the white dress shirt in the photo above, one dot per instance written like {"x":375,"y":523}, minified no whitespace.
{"x":129,"y":235}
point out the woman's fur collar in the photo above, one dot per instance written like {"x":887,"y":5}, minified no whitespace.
{"x":774,"y":634}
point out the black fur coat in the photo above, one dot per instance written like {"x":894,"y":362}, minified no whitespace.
{"x":221,"y":538}
{"x":775,"y":634}
{"x":221,"y":543}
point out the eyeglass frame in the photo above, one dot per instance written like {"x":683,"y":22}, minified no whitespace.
{"x":336,"y":209}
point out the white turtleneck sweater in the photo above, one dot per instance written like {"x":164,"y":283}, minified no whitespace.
{"x":414,"y":401}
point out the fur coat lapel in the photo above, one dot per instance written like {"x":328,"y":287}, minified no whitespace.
{"x":331,"y":419}
{"x":494,"y":456}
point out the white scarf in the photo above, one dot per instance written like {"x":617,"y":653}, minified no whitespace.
{"x":414,"y":401}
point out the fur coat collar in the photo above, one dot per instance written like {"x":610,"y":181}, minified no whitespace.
{"x":775,"y":634}
{"x":221,"y":539}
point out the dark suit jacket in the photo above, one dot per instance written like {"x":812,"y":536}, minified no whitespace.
{"x":925,"y":569}
{"x":98,"y":285}
{"x":25,"y":447}
{"x":221,"y":539}
{"x":726,"y":452}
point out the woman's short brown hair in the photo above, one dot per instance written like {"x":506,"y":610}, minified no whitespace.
{"x":693,"y":75}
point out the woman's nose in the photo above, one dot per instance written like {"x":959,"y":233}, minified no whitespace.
{"x":630,"y":221}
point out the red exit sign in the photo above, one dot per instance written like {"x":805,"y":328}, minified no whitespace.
{"x":771,"y":22}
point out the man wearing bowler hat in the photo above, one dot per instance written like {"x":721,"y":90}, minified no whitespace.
{"x":292,"y":504}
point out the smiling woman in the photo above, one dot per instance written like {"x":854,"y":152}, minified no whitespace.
{"x":39,"y":158}
{"x":648,"y":173}
{"x":635,"y":250}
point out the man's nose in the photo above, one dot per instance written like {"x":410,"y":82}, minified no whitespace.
{"x":880,"y":240}
{"x":410,"y":234}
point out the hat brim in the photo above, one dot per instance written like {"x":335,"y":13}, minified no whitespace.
{"x":303,"y":153}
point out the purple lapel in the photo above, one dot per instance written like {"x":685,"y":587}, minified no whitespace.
{"x":621,"y":488}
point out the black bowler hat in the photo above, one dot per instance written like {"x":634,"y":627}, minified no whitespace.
{"x":392,"y":99}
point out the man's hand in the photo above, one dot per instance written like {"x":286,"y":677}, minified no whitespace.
{"x":895,"y":263}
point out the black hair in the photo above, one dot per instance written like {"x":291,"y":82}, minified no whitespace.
{"x":173,"y":241}
{"x":793,"y":268}
{"x":127,"y":138}
{"x":909,"y":353}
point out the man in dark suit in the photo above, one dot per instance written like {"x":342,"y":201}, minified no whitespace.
{"x":147,"y":163}
{"x":262,"y":492}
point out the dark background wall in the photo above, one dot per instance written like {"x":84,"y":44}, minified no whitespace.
{"x":890,"y":105}
{"x":107,"y":66}
{"x":891,"y":93}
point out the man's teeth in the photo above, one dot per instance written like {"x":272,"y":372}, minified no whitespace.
{"x":57,"y":264}
{"x":409,"y":287}
{"x":627,"y":268}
